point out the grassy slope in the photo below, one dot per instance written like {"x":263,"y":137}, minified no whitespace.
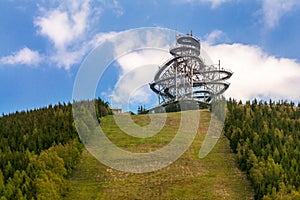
{"x":214,"y":177}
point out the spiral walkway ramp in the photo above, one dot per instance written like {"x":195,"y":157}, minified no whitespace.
{"x":186,"y":76}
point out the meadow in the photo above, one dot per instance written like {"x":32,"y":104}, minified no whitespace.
{"x":214,"y":177}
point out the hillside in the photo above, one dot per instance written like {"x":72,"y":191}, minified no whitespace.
{"x":266,"y":138}
{"x":41,"y":157}
{"x":38,"y":151}
{"x":214,"y":177}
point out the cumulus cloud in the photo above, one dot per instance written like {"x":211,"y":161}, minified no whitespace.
{"x":64,"y":24}
{"x":273,"y":10}
{"x":215,"y":37}
{"x":133,"y":88}
{"x":256,"y":73}
{"x":101,"y":37}
{"x":24,"y":56}
{"x":138,"y":69}
{"x":139,"y":53}
{"x":57,"y":26}
{"x":68,"y":25}
{"x":137,"y":59}
{"x":66,"y":28}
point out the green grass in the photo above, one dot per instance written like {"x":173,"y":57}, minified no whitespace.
{"x":214,"y":177}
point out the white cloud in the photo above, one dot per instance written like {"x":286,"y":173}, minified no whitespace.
{"x":139,"y":53}
{"x":101,"y":37}
{"x":66,"y":26}
{"x":257,"y":74}
{"x":273,"y":10}
{"x":143,"y":37}
{"x":24,"y":56}
{"x":130,"y":90}
{"x":138,"y":70}
{"x":216,"y":36}
{"x":65,"y":59}
{"x":142,"y":58}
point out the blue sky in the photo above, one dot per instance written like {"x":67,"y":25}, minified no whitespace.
{"x":42,"y":45}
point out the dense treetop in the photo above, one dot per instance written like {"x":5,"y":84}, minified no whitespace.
{"x":38,"y":151}
{"x":266,"y":138}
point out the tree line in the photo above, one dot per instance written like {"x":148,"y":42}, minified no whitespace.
{"x":38,"y":151}
{"x":266,"y":138}
{"x":40,"y":148}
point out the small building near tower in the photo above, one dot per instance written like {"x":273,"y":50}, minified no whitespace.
{"x":116,"y":111}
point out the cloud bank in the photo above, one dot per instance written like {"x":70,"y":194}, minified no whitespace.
{"x":142,"y":52}
{"x":257,"y":74}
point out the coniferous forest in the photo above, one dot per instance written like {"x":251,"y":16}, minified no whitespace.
{"x":38,"y":151}
{"x":266,"y":138}
{"x":40,"y":148}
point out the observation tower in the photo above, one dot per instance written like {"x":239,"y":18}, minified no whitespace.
{"x":187,"y":77}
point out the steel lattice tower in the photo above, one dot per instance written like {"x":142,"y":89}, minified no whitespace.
{"x":186,"y":76}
